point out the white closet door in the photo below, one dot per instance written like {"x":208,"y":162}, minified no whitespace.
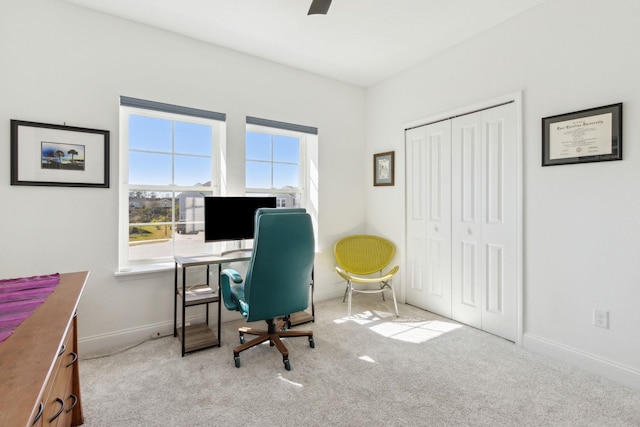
{"x":466,"y":228}
{"x":500,"y":210}
{"x":428,"y":154}
{"x":484,"y":208}
{"x":462,"y":205}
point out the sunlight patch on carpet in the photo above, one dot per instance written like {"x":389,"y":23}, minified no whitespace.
{"x":413,"y":330}
{"x":280,"y":377}
{"x":361,"y":318}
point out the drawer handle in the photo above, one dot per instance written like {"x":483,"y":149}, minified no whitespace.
{"x":75,"y":401}
{"x":62,"y":349}
{"x":75,"y":358}
{"x":39,"y":414}
{"x":61,"y":402}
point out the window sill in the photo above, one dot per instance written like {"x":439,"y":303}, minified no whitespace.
{"x":137,"y":270}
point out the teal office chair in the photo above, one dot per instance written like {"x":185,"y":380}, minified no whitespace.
{"x":277,"y":280}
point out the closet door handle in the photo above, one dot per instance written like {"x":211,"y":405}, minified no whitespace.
{"x":62,"y":349}
{"x":469,"y":231}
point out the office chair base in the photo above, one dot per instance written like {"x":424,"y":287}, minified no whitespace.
{"x":274,"y":334}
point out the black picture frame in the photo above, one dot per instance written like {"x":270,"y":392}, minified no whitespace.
{"x":383,"y":169}
{"x":58,"y":155}
{"x":591,"y":135}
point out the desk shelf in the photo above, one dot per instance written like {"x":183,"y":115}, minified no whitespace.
{"x":198,"y":337}
{"x":196,"y":298}
{"x":299,"y":318}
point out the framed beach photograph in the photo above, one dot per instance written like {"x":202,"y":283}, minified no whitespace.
{"x":57,"y":155}
{"x":593,"y":135}
{"x":383,"y":168}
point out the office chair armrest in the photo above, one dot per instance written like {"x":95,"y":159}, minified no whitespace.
{"x":360,"y":279}
{"x":226,"y":277}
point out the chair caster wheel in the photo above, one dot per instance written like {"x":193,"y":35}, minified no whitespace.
{"x":241,"y":339}
{"x":287,"y":365}
{"x":236,"y":359}
{"x":312,"y":343}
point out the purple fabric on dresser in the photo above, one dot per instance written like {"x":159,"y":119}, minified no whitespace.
{"x":20,"y":297}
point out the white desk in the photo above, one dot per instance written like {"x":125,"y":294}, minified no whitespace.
{"x":200,"y":336}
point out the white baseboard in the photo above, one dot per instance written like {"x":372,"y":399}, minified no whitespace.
{"x":100,"y":344}
{"x":107,"y":343}
{"x":112,"y":341}
{"x":591,"y":363}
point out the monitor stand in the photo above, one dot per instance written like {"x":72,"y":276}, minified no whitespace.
{"x":238,"y":249}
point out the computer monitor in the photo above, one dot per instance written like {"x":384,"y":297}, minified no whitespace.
{"x":232,"y":218}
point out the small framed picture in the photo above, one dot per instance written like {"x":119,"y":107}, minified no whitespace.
{"x":383,"y":168}
{"x":57,"y":155}
{"x":593,"y":135}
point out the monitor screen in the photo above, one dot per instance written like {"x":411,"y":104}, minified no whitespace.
{"x":232,"y":218}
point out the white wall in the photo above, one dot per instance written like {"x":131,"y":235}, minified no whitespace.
{"x":581,"y":222}
{"x":64,"y":64}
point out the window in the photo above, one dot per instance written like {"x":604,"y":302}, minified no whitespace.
{"x":281,"y":160}
{"x":169,"y":162}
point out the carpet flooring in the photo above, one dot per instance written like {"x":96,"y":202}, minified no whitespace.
{"x":371,"y":370}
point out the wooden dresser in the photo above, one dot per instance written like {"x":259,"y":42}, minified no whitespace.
{"x":39,"y":374}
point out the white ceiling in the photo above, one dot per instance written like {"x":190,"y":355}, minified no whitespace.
{"x":359,"y":41}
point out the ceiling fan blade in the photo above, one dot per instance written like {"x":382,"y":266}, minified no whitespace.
{"x":319,"y":7}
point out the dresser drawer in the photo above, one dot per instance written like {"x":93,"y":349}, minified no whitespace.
{"x":56,"y":402}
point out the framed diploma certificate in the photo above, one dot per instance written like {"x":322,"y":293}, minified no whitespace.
{"x":593,"y":135}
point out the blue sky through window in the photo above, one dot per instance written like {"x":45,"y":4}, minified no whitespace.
{"x":151,"y":144}
{"x":272,"y":161}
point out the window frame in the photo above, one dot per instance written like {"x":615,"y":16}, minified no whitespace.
{"x":307,"y":168}
{"x":218,"y":144}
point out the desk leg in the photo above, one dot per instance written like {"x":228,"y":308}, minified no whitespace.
{"x":175,"y":301}
{"x":207,"y":308}
{"x":219,"y":306}
{"x":313,"y":305}
{"x":184,"y":297}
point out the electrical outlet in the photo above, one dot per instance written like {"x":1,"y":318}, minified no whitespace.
{"x":601,"y":318}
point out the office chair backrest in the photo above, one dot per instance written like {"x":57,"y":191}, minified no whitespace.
{"x":363,"y":254}
{"x":279,"y":274}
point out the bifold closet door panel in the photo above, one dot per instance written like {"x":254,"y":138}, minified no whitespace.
{"x":466,"y":227}
{"x":428,"y":154}
{"x":499,"y":228}
{"x":484,"y":200}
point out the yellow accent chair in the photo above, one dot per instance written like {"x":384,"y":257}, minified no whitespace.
{"x":361,"y":260}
